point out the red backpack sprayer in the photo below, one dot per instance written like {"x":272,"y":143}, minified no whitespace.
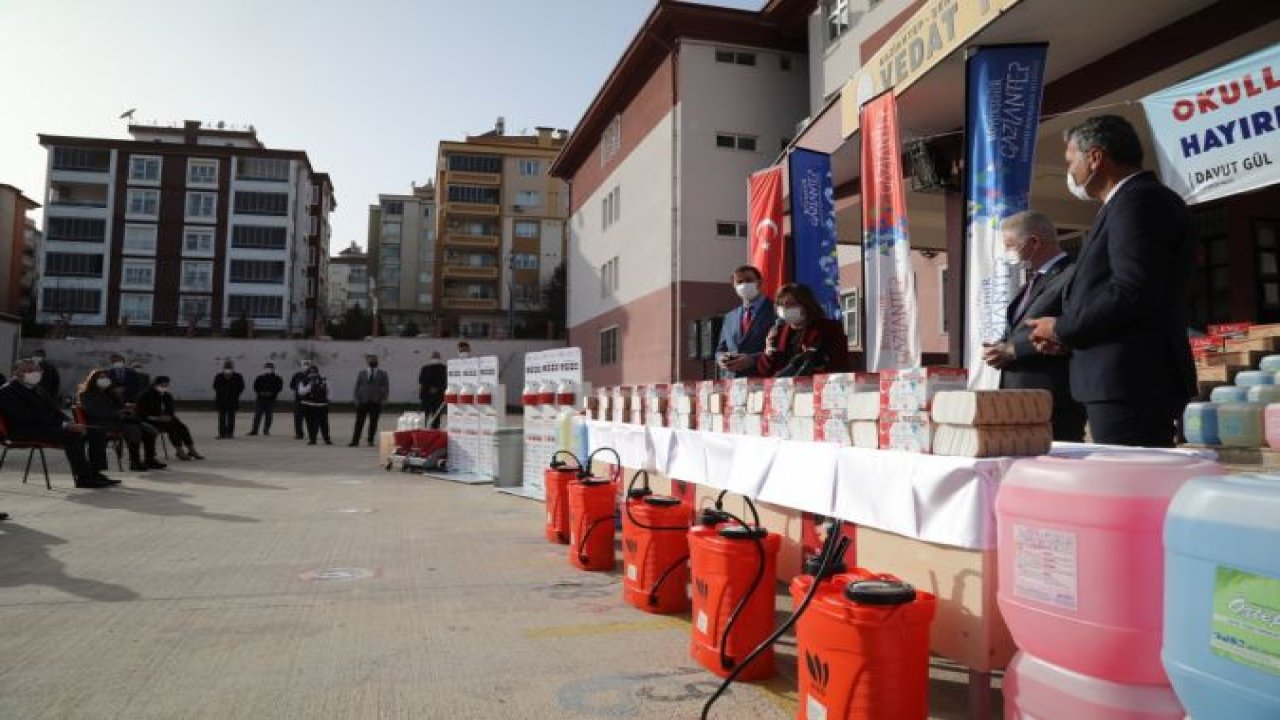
{"x":556,"y":479}
{"x":593,"y":509}
{"x":655,"y":550}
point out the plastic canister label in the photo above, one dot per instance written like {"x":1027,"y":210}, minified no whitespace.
{"x":1045,"y":567}
{"x":703,"y":622}
{"x":814,"y":710}
{"x":1246,"y":619}
{"x":632,"y":573}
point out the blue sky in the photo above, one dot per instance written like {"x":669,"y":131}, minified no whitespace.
{"x":366,"y":88}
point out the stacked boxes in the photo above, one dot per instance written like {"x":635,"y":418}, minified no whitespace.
{"x":840,"y":400}
{"x":713,"y":405}
{"x":746,"y":406}
{"x":989,"y":423}
{"x":905,"y":399}
{"x":620,"y":404}
{"x":683,"y":406}
{"x":656,"y":398}
{"x":776,"y":402}
{"x":636,"y":414}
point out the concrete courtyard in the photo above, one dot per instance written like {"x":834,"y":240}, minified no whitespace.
{"x":278,"y":580}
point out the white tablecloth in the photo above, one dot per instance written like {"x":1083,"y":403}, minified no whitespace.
{"x":946,"y":500}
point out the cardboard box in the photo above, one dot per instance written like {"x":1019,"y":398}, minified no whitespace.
{"x":1262,"y":345}
{"x":910,"y":391}
{"x":910,"y":433}
{"x":1219,"y":374}
{"x":1230,"y":330}
{"x":1264,"y":331}
{"x":831,"y":427}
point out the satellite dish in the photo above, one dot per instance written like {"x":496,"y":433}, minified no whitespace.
{"x":128,"y":114}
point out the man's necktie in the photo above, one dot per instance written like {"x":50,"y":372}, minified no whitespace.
{"x":1026,"y":294}
{"x":746,"y":319}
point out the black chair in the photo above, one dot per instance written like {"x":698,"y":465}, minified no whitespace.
{"x":32,"y":446}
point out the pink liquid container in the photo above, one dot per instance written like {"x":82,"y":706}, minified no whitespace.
{"x":1080,"y":560}
{"x":1228,"y":393}
{"x":1249,"y":378}
{"x":1200,"y":423}
{"x":1240,"y":424}
{"x":1271,"y":425}
{"x":1038,"y":690}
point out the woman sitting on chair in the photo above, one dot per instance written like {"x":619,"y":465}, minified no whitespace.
{"x":155,"y":405}
{"x":105,"y":412}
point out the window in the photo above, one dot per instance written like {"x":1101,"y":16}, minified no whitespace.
{"x":197,"y":308}
{"x":526,"y":228}
{"x":144,"y":169}
{"x":611,"y":208}
{"x":733,"y":57}
{"x":140,"y":239}
{"x":135,"y":308}
{"x":75,"y":230}
{"x":393,"y":208}
{"x":524,"y":261}
{"x":836,"y":13}
{"x":58,"y":264}
{"x":527,"y":293}
{"x":851,"y":313}
{"x":202,"y":172}
{"x":202,"y":206}
{"x":357,"y":274}
{"x":473,"y":194}
{"x":426,"y":212}
{"x":81,"y":159}
{"x":609,"y":277}
{"x":138,"y":273}
{"x":390,"y":251}
{"x":389,"y":274}
{"x":391,"y":231}
{"x":731,"y":230}
{"x":609,"y":345}
{"x":71,"y":300}
{"x":258,"y":237}
{"x":197,"y":241}
{"x":611,"y":139}
{"x":530,"y":168}
{"x":270,"y":169}
{"x":475,"y":163}
{"x":528,"y":199}
{"x":260,"y":203}
{"x":143,"y":203}
{"x":424,"y":299}
{"x":269,"y":307}
{"x":732,"y":141}
{"x":197,"y":275}
{"x":260,"y":272}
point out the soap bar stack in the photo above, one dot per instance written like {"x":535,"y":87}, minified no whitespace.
{"x":746,"y":407}
{"x":620,"y":404}
{"x":636,"y":417}
{"x":989,"y":423}
{"x":656,"y":404}
{"x":683,"y":406}
{"x":777,"y":408}
{"x":906,"y":397}
{"x":840,"y":401}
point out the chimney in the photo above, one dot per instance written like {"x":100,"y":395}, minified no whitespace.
{"x":190,"y":131}
{"x":500,"y":127}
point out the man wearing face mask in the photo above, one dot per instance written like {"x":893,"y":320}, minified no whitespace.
{"x":125,"y":378}
{"x":1031,"y":242}
{"x":50,"y":381}
{"x":372,"y":388}
{"x":299,"y":412}
{"x":1124,"y":314}
{"x":228,"y":386}
{"x":266,"y":388}
{"x":464,"y":350}
{"x":743,"y":332}
{"x":32,"y":415}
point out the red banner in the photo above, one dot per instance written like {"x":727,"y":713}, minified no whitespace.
{"x":767,"y":249}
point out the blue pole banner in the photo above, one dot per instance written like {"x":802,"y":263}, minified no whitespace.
{"x":813,"y":227}
{"x":1004,"y":85}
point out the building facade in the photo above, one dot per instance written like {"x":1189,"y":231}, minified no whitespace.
{"x":502,"y":232}
{"x":402,"y":260}
{"x":183,"y":229}
{"x":702,"y":98}
{"x":19,"y":243}
{"x":348,"y":284}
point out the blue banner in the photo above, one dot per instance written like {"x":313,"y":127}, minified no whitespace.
{"x":1003,"y":89}
{"x":813,"y":227}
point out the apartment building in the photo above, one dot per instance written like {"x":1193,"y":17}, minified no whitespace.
{"x":348,"y":281}
{"x":401,"y":263}
{"x":502,"y":232}
{"x":658,"y":165}
{"x":19,"y":243}
{"x":181,"y":228}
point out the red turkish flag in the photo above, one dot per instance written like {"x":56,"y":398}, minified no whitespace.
{"x":767,"y":247}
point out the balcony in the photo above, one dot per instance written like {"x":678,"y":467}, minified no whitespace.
{"x":472,"y":178}
{"x":468,"y":208}
{"x":464,"y":303}
{"x":467,"y":240}
{"x":471,"y":272}
{"x":77,"y":199}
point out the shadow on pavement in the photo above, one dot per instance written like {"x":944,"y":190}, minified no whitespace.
{"x":25,"y":560}
{"x":210,"y":480}
{"x":151,"y":502}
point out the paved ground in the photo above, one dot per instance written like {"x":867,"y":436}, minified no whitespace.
{"x":276,"y":580}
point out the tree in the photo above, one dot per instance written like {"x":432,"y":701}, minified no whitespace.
{"x":555,"y":298}
{"x":356,"y":324}
{"x":410,"y":329}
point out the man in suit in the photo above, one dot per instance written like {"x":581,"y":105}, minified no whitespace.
{"x":266,"y":388}
{"x":1030,"y":240}
{"x":32,"y":415}
{"x":1124,"y":314}
{"x":372,"y":388}
{"x":125,"y":378}
{"x":745,"y":327}
{"x":228,"y":386}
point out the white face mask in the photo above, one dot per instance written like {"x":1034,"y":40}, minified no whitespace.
{"x":32,"y":379}
{"x":163,"y":390}
{"x":1078,"y":190}
{"x":269,"y":371}
{"x":119,"y":364}
{"x":748,"y":291}
{"x":227,"y":371}
{"x":793,"y":315}
{"x":464,"y":355}
{"x":103,"y":382}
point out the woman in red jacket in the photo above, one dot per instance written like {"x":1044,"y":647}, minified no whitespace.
{"x":804,"y":341}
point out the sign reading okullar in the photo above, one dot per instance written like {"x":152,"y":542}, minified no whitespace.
{"x":892,"y":331}
{"x":1004,"y":87}
{"x":813,"y":228}
{"x":1217,"y":133}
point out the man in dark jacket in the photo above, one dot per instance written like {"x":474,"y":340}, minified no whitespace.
{"x":299,"y":412}
{"x":744,"y":329}
{"x":50,"y":380}
{"x":125,"y":378}
{"x":1124,"y":314}
{"x":1030,"y":239}
{"x":432,"y":379}
{"x":228,"y":386}
{"x":372,"y":388}
{"x":266,"y":388}
{"x":30,"y":414}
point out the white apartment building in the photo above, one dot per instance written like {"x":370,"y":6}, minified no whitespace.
{"x":348,"y":284}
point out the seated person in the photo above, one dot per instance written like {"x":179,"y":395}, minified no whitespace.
{"x":106,"y":412}
{"x":156,"y":407}
{"x":31,"y":415}
{"x":804,"y":341}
